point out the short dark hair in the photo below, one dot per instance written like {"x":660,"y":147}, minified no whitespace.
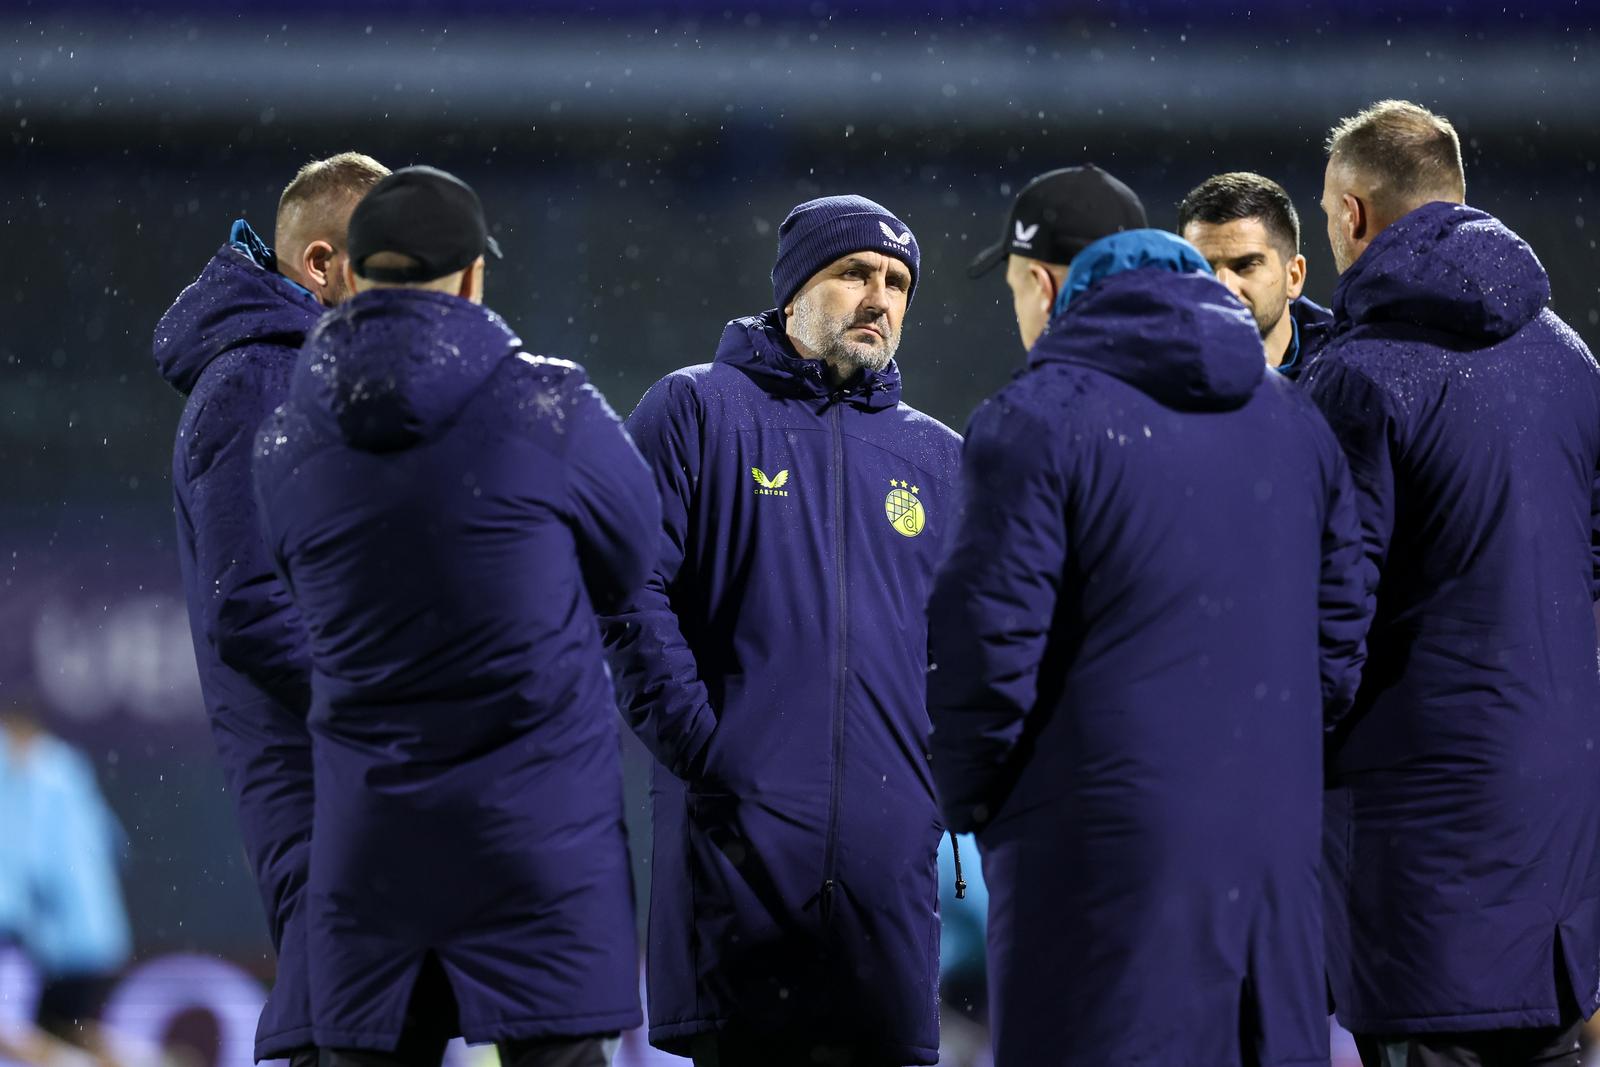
{"x":1409,"y":155}
{"x":1243,"y":195}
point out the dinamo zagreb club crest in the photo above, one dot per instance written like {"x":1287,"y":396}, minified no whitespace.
{"x":904,"y":509}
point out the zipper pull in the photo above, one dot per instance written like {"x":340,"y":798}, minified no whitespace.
{"x":827,"y":898}
{"x":961,"y":883}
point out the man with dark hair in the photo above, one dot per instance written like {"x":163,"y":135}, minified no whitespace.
{"x":776,"y":663}
{"x":1248,"y":230}
{"x":1463,"y":815}
{"x":228,"y":343}
{"x":449,"y":513}
{"x":1154,"y":596}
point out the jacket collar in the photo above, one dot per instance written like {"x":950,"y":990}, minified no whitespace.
{"x":759,"y":347}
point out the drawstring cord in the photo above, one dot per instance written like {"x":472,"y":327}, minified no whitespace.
{"x":961,"y":884}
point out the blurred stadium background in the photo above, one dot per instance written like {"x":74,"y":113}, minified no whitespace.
{"x":635,"y":159}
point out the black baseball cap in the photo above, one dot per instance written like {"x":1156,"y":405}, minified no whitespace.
{"x":1059,"y":214}
{"x":421,"y":212}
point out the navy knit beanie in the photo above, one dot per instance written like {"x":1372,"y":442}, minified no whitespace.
{"x":820,"y":231}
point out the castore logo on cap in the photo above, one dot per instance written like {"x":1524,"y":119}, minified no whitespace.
{"x":903,"y":239}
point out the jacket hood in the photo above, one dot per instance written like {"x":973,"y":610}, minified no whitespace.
{"x":1142,"y":306}
{"x":1446,"y":267}
{"x":239,"y":299}
{"x":759,"y":347}
{"x":394,"y":366}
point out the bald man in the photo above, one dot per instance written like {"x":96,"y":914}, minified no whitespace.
{"x":228,"y":343}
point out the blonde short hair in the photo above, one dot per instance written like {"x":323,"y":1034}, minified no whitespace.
{"x":1409,"y":155}
{"x":320,"y":196}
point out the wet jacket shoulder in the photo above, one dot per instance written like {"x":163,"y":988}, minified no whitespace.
{"x":1042,"y":449}
{"x":394,"y":369}
{"x":229,"y":343}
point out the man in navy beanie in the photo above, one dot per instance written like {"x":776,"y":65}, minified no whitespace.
{"x":775,"y":664}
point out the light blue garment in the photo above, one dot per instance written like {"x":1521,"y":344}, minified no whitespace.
{"x":246,"y":240}
{"x":60,"y":898}
{"x":13,"y":853}
{"x":1128,"y":250}
{"x":962,"y":923}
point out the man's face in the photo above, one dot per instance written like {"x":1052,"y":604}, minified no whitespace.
{"x":312,"y":250}
{"x":849,"y":313}
{"x":1334,"y":185}
{"x":337,"y":291}
{"x":1247,"y":261}
{"x":1032,"y":296}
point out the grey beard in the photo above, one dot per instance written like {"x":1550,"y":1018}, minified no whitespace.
{"x":825,"y":337}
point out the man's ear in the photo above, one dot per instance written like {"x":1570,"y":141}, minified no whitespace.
{"x":472,"y":282}
{"x":316,"y":262}
{"x":1297,"y":276}
{"x":1357,"y":218}
{"x":1045,"y":283}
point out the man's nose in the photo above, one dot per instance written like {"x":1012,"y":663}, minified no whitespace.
{"x":877,"y":295}
{"x":1232,"y":281}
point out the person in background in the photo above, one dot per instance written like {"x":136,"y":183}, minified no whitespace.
{"x":1154,"y":599}
{"x":1463,"y":813}
{"x":228,"y":344}
{"x":1248,"y":230}
{"x":60,"y":891}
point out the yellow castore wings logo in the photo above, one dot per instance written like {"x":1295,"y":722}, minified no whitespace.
{"x":773,"y":486}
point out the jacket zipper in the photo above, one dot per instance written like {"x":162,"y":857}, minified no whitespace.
{"x":830,"y":850}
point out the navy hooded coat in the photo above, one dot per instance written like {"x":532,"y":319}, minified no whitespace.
{"x":450,"y":512}
{"x":228,"y":343}
{"x":1313,"y":326}
{"x":1155,"y":589}
{"x":1463,"y":818}
{"x":775,"y":665}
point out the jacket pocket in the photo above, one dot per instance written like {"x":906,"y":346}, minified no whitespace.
{"x":758,"y":948}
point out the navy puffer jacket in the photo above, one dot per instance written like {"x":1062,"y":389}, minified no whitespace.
{"x":1463,"y":823}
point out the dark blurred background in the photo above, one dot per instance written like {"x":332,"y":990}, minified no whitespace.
{"x":635,"y":160}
